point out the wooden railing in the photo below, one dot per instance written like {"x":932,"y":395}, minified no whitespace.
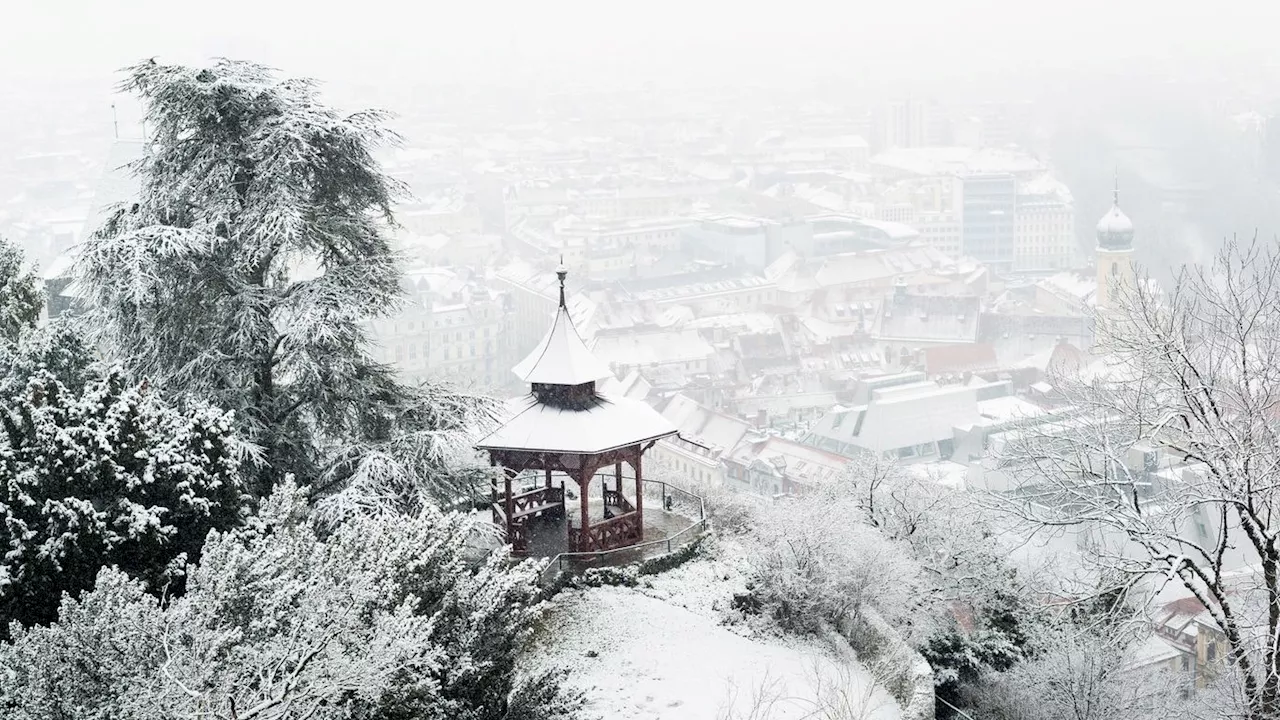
{"x":535,"y":502}
{"x":517,"y":533}
{"x":613,"y":498}
{"x":618,"y":531}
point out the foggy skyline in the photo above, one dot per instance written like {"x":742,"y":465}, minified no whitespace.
{"x":569,"y":42}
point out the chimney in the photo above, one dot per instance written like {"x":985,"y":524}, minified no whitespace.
{"x":900,"y":290}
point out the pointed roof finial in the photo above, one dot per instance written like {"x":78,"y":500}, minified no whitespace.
{"x":562,"y":272}
{"x":1115,"y":197}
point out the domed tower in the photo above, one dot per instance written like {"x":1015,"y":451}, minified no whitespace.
{"x":1114,"y":253}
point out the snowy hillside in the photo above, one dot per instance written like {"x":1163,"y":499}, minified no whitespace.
{"x":664,"y":650}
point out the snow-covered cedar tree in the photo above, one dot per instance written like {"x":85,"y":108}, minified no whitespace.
{"x":812,"y":562}
{"x":384,"y":618}
{"x":111,"y":476}
{"x":244,"y":273}
{"x":21,"y":298}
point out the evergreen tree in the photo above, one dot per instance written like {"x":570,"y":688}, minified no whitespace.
{"x":109,"y":476}
{"x":383,"y":619}
{"x":242,"y":275}
{"x":20,"y":295}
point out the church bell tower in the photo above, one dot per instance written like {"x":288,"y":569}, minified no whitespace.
{"x":1114,"y":254}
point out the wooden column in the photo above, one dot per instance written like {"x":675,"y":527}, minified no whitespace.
{"x":548,"y":479}
{"x":639,"y":492}
{"x":584,"y":489}
{"x":617,"y":477}
{"x":510,"y":508}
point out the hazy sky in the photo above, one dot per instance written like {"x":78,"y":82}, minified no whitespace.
{"x":658,"y":40}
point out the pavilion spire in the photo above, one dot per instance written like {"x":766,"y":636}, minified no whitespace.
{"x":562,"y":272}
{"x":1115,"y":197}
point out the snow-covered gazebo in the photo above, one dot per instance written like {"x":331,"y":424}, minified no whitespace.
{"x":565,"y":425}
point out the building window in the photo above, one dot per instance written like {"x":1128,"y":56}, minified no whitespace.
{"x":1211,"y":652}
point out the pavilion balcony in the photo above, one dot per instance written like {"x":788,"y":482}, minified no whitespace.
{"x":541,"y":526}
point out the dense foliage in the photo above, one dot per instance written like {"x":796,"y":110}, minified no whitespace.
{"x":108,"y":476}
{"x":20,"y":296}
{"x":244,"y":272}
{"x":387,"y":617}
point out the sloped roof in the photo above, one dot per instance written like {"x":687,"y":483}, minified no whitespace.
{"x":607,"y":424}
{"x":717,"y":431}
{"x":960,"y":357}
{"x":562,"y":358}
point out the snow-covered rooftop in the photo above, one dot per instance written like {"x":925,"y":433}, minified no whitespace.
{"x":607,"y":424}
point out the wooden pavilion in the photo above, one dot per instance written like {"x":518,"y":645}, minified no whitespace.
{"x":566,"y":425}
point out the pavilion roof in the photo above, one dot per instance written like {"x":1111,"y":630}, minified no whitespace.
{"x":562,"y":358}
{"x":608,"y":423}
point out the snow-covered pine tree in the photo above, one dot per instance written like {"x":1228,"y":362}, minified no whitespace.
{"x":20,"y":295}
{"x":110,"y":476}
{"x":25,"y":347}
{"x":242,"y":274}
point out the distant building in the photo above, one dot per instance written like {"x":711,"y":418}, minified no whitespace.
{"x":449,"y":329}
{"x":911,"y":419}
{"x":446,"y":213}
{"x":910,"y":123}
{"x":533,"y":297}
{"x":706,"y":439}
{"x":988,"y":206}
{"x":772,"y":466}
{"x":1044,"y":228}
{"x":471,"y":250}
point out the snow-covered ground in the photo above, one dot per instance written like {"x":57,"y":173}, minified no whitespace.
{"x":664,"y":651}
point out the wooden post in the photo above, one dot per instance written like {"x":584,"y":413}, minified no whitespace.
{"x":508,"y":503}
{"x":639,"y":493}
{"x":617,"y":477}
{"x":584,"y":488}
{"x":548,"y":479}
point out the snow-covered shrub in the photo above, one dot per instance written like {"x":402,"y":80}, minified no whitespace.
{"x":57,"y":348}
{"x":109,"y":476}
{"x":384,"y":618}
{"x":1087,"y":677}
{"x":730,"y":512}
{"x":814,"y":563}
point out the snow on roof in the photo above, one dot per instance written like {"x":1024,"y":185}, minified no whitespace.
{"x":746,"y":322}
{"x":608,"y":424}
{"x":895,"y":230}
{"x":1072,"y":285}
{"x":562,"y":358}
{"x":1046,"y":185}
{"x":1154,"y":649}
{"x":929,"y":161}
{"x":1008,"y":409}
{"x":656,"y":348}
{"x":63,"y":264}
{"x":946,"y":473}
{"x":716,"y":431}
